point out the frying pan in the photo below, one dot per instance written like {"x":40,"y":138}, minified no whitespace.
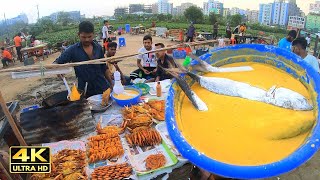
{"x":57,"y":99}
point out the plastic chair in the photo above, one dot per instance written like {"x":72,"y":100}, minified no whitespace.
{"x":122,"y":42}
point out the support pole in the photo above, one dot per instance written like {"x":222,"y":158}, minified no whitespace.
{"x":316,"y":46}
{"x":12,"y":122}
{"x":5,"y":170}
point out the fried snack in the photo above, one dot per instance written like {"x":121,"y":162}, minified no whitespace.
{"x":155,"y":161}
{"x":108,"y":135}
{"x":144,"y":136}
{"x":110,"y":129}
{"x":141,"y":115}
{"x":136,"y":116}
{"x":157,"y":109}
{"x":105,"y":146}
{"x":118,"y":171}
{"x":66,"y":165}
{"x":157,"y":105}
{"x":105,"y":97}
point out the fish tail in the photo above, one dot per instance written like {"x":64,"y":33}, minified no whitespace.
{"x":186,"y":88}
{"x":189,"y":93}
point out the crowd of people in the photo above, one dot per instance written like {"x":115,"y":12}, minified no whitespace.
{"x":97,"y":75}
{"x":7,"y":56}
{"x":100,"y":76}
{"x":239,"y":30}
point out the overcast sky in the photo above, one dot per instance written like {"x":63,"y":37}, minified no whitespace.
{"x":12,"y":8}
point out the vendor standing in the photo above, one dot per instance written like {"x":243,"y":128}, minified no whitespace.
{"x":96,"y":75}
{"x":215,"y":30}
{"x":18,"y":43}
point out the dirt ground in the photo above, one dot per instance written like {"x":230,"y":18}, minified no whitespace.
{"x":25,"y":91}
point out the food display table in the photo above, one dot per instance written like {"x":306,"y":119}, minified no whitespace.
{"x":176,"y":165}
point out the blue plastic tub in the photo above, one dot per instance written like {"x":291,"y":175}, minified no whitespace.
{"x":271,"y":55}
{"x":128,"y":102}
{"x":179,"y":54}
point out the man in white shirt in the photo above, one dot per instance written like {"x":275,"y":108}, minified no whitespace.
{"x":146,"y":62}
{"x":308,"y":38}
{"x":105,"y":33}
{"x":299,"y":47}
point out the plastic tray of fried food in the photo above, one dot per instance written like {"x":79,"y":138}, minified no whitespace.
{"x":139,"y":148}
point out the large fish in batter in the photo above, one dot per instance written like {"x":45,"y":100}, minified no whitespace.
{"x":281,"y":97}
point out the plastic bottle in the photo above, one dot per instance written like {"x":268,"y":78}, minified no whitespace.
{"x":186,"y":61}
{"x":118,"y":87}
{"x":159,"y":93}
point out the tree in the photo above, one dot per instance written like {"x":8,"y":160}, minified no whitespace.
{"x":169,"y":17}
{"x":179,"y":18}
{"x":194,"y":14}
{"x":235,"y":20}
{"x":161,"y":17}
{"x":64,"y":18}
{"x":212,"y":18}
{"x":46,"y":24}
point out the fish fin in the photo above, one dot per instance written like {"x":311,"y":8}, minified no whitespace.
{"x":202,"y":63}
{"x":271,"y":91}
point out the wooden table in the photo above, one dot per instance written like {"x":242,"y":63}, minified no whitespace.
{"x":40,"y":47}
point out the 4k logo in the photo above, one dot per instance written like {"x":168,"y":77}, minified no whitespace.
{"x":30,"y":159}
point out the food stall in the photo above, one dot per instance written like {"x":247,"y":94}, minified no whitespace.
{"x":81,"y":125}
{"x":110,"y":136}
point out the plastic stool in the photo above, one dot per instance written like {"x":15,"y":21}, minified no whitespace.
{"x":122,"y":42}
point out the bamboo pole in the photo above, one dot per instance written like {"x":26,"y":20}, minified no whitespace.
{"x":11,"y":121}
{"x":102,"y":60}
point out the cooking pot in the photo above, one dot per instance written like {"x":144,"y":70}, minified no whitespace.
{"x":277,"y":57}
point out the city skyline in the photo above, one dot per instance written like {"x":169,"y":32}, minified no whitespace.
{"x":95,"y":7}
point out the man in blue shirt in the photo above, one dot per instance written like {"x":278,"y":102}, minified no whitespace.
{"x":96,"y":75}
{"x":299,"y":47}
{"x":286,"y":42}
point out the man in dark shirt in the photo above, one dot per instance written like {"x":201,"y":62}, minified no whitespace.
{"x":190,"y":33}
{"x":111,"y":51}
{"x":96,"y":75}
{"x":215,"y":30}
{"x":164,"y":61}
